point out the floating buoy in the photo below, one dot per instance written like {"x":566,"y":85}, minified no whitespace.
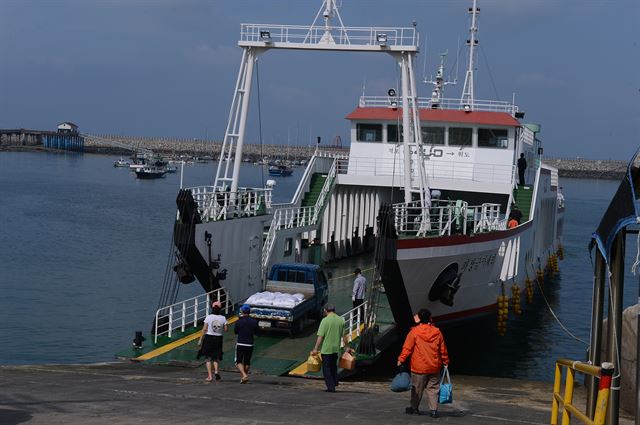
{"x":560,"y":252}
{"x":503,"y":313}
{"x":515,"y":299}
{"x":554,"y":264}
{"x":540,"y":277}
{"x":529,"y":288}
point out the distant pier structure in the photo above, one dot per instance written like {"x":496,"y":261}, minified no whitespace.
{"x":66,"y":137}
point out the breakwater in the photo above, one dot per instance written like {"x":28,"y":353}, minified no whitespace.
{"x":588,"y":168}
{"x":198,"y":148}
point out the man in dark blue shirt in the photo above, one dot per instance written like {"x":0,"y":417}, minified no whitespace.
{"x":246,"y":328}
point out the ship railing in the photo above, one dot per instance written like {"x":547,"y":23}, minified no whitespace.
{"x":444,"y":169}
{"x":447,"y":103}
{"x":304,"y":181}
{"x":327,"y":187}
{"x":188,"y":313}
{"x":444,"y":218}
{"x":441,"y":219}
{"x":342,"y":167}
{"x":215,"y":205}
{"x":309,"y":35}
{"x":486,"y":218}
{"x":286,"y":218}
{"x":354,"y":321}
{"x":565,"y":402}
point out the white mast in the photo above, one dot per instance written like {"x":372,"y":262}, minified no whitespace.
{"x":467,"y":99}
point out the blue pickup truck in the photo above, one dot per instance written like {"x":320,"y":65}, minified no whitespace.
{"x":307,"y":280}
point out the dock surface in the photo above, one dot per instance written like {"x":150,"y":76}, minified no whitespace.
{"x":125,"y":393}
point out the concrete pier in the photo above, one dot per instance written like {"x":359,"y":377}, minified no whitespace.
{"x":123,"y":393}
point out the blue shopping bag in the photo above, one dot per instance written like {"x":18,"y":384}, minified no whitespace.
{"x":446,"y":390}
{"x":401,"y":382}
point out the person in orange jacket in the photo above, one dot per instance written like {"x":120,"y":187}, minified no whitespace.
{"x":425,"y":344}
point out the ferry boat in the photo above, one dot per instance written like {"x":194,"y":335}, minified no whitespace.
{"x":430,"y":182}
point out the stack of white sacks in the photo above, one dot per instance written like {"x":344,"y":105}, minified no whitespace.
{"x":275,"y":299}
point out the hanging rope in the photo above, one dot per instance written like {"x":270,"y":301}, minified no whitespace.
{"x":490,"y":75}
{"x":555,"y":316}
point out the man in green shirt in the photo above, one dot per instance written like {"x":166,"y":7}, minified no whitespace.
{"x":330,"y":332}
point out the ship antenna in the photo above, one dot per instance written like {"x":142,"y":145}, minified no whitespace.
{"x":437,"y":94}
{"x":328,"y":10}
{"x":467,"y":99}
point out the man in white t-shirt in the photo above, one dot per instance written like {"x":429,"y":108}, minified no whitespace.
{"x":210,"y":342}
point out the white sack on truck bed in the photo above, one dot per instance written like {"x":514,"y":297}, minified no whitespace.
{"x":275,"y":299}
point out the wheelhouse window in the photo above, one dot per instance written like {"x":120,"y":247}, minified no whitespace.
{"x":369,"y":132}
{"x":433,"y":135}
{"x":460,"y":136}
{"x":493,"y":138}
{"x":393,"y":135}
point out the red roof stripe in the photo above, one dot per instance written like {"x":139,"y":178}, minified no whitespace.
{"x":436,"y":115}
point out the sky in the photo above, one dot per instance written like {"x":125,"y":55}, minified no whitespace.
{"x":167,"y":68}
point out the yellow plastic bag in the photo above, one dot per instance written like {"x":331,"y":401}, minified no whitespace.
{"x":314,"y":362}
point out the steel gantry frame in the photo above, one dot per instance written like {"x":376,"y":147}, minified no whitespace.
{"x":255,"y":39}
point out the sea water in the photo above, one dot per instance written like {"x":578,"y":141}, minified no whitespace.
{"x":84,"y":247}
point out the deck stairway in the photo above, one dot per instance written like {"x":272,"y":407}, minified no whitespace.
{"x":315,"y":188}
{"x":522,"y":197}
{"x":306,"y":212}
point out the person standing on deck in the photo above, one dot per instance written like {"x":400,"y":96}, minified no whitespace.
{"x":515,"y":213}
{"x":210,"y":341}
{"x":359,"y":288}
{"x":246,"y":328}
{"x":330,"y":332}
{"x":425,"y":344}
{"x":522,"y":166}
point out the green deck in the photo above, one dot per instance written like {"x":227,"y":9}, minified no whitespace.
{"x":522,"y":197}
{"x":275,"y":353}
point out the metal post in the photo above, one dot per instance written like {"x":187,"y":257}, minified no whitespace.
{"x":597,"y":315}
{"x":184,"y":316}
{"x":246,"y":90}
{"x":614,"y":324}
{"x":406,"y":134}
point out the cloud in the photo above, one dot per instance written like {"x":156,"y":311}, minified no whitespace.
{"x":539,"y":80}
{"x":214,"y":56}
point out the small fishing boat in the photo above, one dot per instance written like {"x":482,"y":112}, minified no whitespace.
{"x":280,"y":170}
{"x":150,"y":172}
{"x":121,"y":163}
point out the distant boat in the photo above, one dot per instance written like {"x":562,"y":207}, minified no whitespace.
{"x":121,"y":163}
{"x":150,"y":172}
{"x":171,"y":170}
{"x":280,"y":170}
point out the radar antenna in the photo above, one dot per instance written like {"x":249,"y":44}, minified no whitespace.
{"x":467,"y":100}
